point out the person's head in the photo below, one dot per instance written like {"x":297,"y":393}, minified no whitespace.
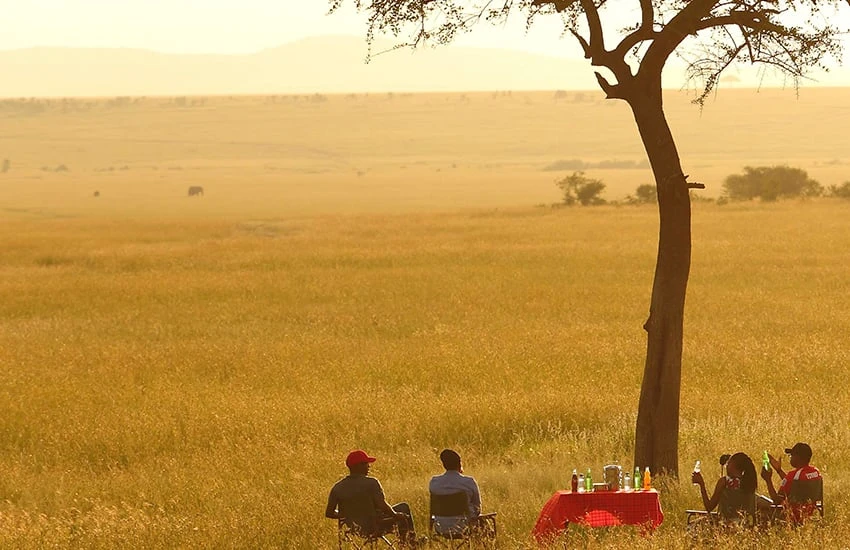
{"x":450,"y":460}
{"x":740,"y":466}
{"x":358,"y":462}
{"x":801,"y":455}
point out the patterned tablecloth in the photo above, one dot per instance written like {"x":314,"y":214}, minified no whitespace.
{"x":598,"y":509}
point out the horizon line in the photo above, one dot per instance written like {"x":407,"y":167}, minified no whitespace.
{"x":755,"y":89}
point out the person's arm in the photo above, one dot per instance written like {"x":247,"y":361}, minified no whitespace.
{"x":776,"y":465}
{"x":331,"y":509}
{"x":709,"y":503}
{"x":767,"y":476}
{"x":381,"y":503}
{"x":475,"y":501}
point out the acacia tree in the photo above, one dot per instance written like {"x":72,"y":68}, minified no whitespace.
{"x":791,"y":36}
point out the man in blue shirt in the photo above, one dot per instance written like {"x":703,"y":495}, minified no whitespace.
{"x":453,"y":481}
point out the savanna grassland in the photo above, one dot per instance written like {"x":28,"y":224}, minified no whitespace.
{"x":389,"y":153}
{"x":190,"y":373}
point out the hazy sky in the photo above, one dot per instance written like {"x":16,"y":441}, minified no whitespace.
{"x":222,"y":26}
{"x":209,"y":26}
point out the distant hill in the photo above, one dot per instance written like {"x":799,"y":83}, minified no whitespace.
{"x":328,"y":64}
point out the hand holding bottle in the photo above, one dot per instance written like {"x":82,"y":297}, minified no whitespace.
{"x":774,"y":463}
{"x":696,"y":479}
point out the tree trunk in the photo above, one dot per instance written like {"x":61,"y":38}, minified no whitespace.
{"x":657,"y":430}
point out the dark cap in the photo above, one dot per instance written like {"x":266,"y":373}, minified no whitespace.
{"x":358,"y":457}
{"x":800,"y":449}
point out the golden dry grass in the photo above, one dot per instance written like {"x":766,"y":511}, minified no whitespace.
{"x":197,"y":383}
{"x":191,"y":373}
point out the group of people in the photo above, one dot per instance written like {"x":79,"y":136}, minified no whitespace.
{"x":735,"y":492}
{"x":359,"y":500}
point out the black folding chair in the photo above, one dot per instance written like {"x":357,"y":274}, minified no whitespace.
{"x":453,"y":527}
{"x":804,"y":499}
{"x":360,"y":528}
{"x":735,"y":509}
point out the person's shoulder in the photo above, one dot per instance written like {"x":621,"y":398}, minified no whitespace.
{"x":340,"y":483}
{"x":810,"y":472}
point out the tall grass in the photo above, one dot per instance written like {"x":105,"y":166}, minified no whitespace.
{"x":198,"y":383}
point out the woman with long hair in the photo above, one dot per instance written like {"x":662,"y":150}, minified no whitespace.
{"x":734,"y":493}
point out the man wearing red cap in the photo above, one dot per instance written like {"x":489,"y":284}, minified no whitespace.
{"x":800,"y":456}
{"x":359,"y":500}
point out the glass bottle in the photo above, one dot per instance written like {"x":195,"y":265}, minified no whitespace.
{"x":588,"y":482}
{"x":627,"y":481}
{"x":574,"y":482}
{"x":697,"y":469}
{"x":647,"y":480}
{"x":638,"y":479}
{"x":581,"y":485}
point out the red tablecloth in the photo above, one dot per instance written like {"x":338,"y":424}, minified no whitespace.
{"x":598,"y":509}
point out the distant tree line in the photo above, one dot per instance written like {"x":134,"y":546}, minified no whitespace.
{"x":766,"y":183}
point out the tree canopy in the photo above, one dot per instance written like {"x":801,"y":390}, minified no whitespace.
{"x":791,"y":36}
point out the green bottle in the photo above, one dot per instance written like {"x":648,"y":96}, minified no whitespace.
{"x":638,"y":479}
{"x":765,"y":461}
{"x":588,"y":482}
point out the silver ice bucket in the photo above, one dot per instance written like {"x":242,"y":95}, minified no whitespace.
{"x":612,"y":476}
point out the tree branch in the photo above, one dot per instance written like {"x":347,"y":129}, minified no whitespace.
{"x":668,"y":39}
{"x":559,"y":5}
{"x":585,"y":46}
{"x":612,"y":91}
{"x":642,"y":33}
{"x":597,"y":38}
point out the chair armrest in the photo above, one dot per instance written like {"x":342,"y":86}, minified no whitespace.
{"x":487,"y":516}
{"x":713,"y":516}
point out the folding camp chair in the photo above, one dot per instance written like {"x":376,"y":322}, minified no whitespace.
{"x":351,"y":537}
{"x":452,"y":527}
{"x":735,"y":508}
{"x":804,"y":499}
{"x":359,"y":526}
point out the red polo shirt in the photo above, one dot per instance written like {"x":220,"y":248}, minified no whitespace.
{"x":807,"y":472}
{"x":799,"y":512}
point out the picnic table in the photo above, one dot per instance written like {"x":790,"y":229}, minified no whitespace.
{"x":598,"y":509}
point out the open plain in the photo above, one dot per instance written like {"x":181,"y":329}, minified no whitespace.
{"x":385,"y":272}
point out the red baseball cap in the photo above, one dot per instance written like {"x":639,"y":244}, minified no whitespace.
{"x":358,"y":457}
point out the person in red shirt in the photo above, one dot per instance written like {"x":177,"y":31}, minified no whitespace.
{"x":800,"y":457}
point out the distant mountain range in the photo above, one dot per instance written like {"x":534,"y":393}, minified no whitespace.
{"x":328,"y":64}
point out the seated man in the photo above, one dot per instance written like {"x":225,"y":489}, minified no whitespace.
{"x":453,"y":481}
{"x":800,"y":456}
{"x":359,"y":500}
